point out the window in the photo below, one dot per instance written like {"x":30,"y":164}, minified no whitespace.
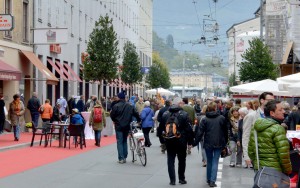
{"x":72,"y":14}
{"x":65,"y":13}
{"x":8,"y":10}
{"x":25,"y":21}
{"x":49,"y":13}
{"x":40,"y":10}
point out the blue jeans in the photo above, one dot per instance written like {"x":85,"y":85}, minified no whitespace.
{"x":213,"y":156}
{"x":122,"y":144}
{"x":97,"y":136}
{"x":204,"y":158}
{"x":35,"y":118}
{"x":17,"y":131}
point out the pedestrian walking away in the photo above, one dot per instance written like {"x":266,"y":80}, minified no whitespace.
{"x":214,"y":129}
{"x":122,"y":114}
{"x":178,"y":146}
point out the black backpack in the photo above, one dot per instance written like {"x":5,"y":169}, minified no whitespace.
{"x":172,"y":125}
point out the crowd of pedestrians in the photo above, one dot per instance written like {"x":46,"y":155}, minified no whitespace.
{"x":211,"y":125}
{"x":215,"y":124}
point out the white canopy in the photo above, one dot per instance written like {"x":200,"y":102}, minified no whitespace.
{"x":259,"y":87}
{"x":285,"y":81}
{"x":160,"y":91}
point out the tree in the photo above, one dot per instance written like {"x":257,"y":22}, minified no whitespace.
{"x":158,"y":75}
{"x":101,"y":62}
{"x":170,"y":41}
{"x":131,"y":70}
{"x":257,"y":64}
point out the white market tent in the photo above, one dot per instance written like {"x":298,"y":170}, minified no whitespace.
{"x":259,"y":87}
{"x":160,"y":91}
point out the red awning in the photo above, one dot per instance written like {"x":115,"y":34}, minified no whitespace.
{"x":65,"y":71}
{"x":75,"y":76}
{"x":59,"y":71}
{"x":8,"y":72}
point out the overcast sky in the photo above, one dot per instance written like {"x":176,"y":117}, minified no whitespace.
{"x":184,"y":19}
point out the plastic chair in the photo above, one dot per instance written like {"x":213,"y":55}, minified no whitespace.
{"x":76,"y":130}
{"x":43,"y":131}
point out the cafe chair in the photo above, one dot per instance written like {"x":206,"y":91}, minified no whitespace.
{"x":54,"y":131}
{"x":42,"y":131}
{"x":77,"y":131}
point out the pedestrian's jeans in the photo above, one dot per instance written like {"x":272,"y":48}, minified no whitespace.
{"x":97,"y":136}
{"x":122,"y":144}
{"x":17,"y":131}
{"x":236,"y":153}
{"x":35,"y":118}
{"x":213,"y":156}
{"x":204,"y":158}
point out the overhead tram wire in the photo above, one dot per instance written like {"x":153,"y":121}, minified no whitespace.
{"x":194,"y":2}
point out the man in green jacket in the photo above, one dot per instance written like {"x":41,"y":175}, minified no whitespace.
{"x":273,"y":146}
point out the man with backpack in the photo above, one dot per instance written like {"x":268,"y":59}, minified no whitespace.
{"x":178,"y":134}
{"x":121,"y":114}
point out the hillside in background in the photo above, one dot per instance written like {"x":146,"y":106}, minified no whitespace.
{"x":174,"y":60}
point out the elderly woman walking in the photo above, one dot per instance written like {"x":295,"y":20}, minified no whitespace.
{"x":16,"y":110}
{"x":147,"y":122}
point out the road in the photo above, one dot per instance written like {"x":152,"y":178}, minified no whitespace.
{"x":99,"y":168}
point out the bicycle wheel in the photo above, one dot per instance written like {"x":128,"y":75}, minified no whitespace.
{"x":142,"y":153}
{"x":132,"y":146}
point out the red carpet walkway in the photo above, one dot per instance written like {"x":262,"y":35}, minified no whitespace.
{"x":22,"y":159}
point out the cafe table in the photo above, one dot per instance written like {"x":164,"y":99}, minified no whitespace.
{"x":61,"y":131}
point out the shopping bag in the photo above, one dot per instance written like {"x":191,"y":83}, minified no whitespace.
{"x":268,"y":177}
{"x":7,"y":126}
{"x":5,"y":111}
{"x":225,"y":152}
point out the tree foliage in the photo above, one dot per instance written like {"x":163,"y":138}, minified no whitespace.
{"x":170,"y":41}
{"x":257,"y":64}
{"x":158,"y":75}
{"x":131,"y":69}
{"x":101,"y":63}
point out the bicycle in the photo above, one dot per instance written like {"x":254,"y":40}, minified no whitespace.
{"x":136,"y":143}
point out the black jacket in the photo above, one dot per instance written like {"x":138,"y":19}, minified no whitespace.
{"x":121,"y":114}
{"x":215,"y":131}
{"x":33,"y":104}
{"x":184,"y":128}
{"x":293,"y":120}
{"x":162,"y":123}
{"x":2,"y":113}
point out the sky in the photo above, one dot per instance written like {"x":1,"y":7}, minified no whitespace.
{"x":183,"y":19}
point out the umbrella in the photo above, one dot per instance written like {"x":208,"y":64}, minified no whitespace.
{"x":259,"y":87}
{"x":161,"y":91}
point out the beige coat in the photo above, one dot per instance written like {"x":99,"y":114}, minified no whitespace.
{"x":15,"y":108}
{"x":98,"y":126}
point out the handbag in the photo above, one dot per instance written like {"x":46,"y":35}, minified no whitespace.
{"x":5,"y":111}
{"x":225,"y":152}
{"x":268,"y":177}
{"x":7,"y":126}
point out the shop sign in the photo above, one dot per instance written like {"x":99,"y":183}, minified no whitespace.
{"x":6,"y":22}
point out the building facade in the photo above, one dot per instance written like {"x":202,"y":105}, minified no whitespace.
{"x":132,"y":21}
{"x":238,"y":39}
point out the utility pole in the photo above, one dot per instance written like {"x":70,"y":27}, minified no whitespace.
{"x":183,"y":70}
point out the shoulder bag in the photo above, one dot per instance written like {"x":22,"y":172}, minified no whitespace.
{"x":268,"y":177}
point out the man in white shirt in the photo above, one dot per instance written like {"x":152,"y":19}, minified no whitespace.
{"x":249,"y":121}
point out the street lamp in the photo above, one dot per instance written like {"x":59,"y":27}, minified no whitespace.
{"x":183,"y":70}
